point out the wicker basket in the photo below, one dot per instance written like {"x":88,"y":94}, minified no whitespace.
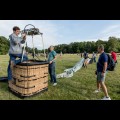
{"x":28,"y":91}
{"x":27,"y":84}
{"x":29,"y":78}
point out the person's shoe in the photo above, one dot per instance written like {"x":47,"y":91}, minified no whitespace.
{"x":54,"y":84}
{"x":97,"y":91}
{"x":106,"y":98}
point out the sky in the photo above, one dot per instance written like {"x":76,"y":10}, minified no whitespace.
{"x":64,"y":31}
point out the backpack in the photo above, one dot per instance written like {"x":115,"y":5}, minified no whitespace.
{"x":111,"y":63}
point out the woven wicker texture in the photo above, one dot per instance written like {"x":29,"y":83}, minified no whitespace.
{"x":28,"y":80}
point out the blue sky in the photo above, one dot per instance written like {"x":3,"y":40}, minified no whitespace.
{"x":65,"y":31}
{"x":85,"y":30}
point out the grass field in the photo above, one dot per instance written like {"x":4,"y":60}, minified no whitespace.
{"x":80,"y":87}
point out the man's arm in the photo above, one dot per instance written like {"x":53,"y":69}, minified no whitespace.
{"x":23,"y":38}
{"x":105,"y":60}
{"x":16,"y":40}
{"x":105,"y":67}
{"x":22,"y":41}
{"x":55,"y":56}
{"x":53,"y":59}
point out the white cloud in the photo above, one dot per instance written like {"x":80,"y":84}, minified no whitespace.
{"x":48,"y":29}
{"x":84,"y":40}
{"x":113,"y":30}
{"x":110,"y":28}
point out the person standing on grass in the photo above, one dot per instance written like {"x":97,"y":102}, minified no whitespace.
{"x":94,"y":57}
{"x":61,"y":55}
{"x":114,"y":56}
{"x":15,"y":50}
{"x":101,"y":72}
{"x":81,"y":55}
{"x":51,"y":59}
{"x":85,"y":55}
{"x":33,"y":55}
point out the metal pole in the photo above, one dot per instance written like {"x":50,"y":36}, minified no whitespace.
{"x":33,"y":47}
{"x":43,"y":46}
{"x":23,"y":51}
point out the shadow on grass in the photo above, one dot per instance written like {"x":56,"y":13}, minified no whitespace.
{"x":3,"y":79}
{"x":118,"y":92}
{"x":68,"y":66}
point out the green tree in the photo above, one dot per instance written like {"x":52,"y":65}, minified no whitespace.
{"x":4,"y":45}
{"x":113,"y":44}
{"x":78,"y":51}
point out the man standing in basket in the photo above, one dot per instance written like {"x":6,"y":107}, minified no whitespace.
{"x":15,"y":50}
{"x":51,"y":60}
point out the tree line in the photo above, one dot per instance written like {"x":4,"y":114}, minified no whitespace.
{"x":112,"y":43}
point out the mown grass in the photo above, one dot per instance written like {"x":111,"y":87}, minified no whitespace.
{"x":79,"y":87}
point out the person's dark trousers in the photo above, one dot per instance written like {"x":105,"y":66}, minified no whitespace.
{"x":115,"y":65}
{"x":13,"y":58}
{"x":52,"y":72}
{"x":94,"y":59}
